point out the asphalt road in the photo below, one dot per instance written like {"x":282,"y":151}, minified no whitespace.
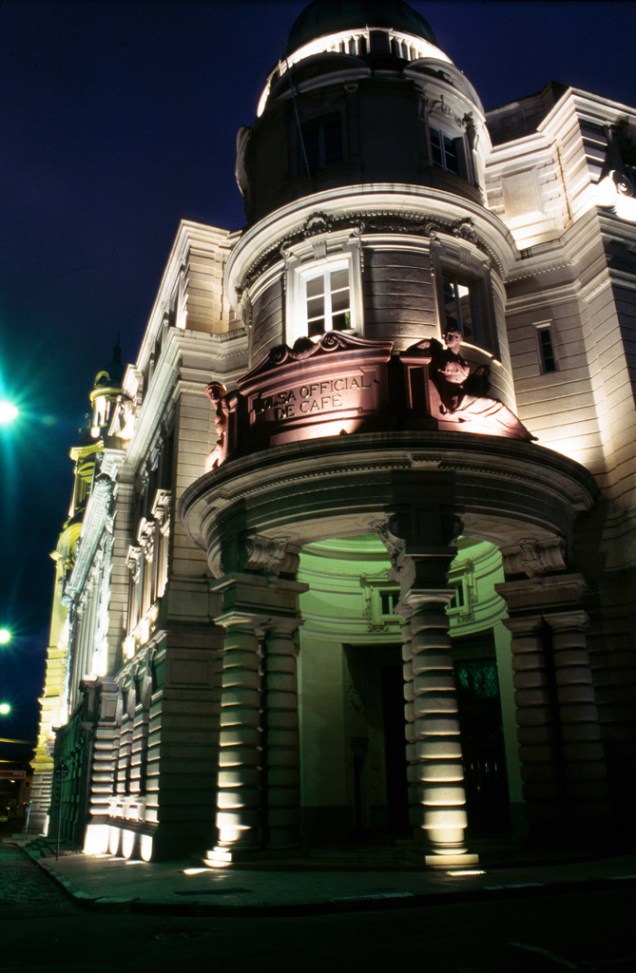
{"x":42,"y":929}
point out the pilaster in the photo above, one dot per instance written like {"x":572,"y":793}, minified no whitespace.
{"x":259,"y":764}
{"x":559,"y":733}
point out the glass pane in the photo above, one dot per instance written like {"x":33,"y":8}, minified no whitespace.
{"x":451,"y":158}
{"x":315,"y":285}
{"x":547,"y":351}
{"x":451,"y":305}
{"x":312,"y":149}
{"x":316,"y":327}
{"x":340,"y":301}
{"x":341,"y":321}
{"x":339,"y":279}
{"x":436,"y":148}
{"x":332,"y":140}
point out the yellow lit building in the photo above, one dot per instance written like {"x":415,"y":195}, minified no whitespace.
{"x":357,"y":559}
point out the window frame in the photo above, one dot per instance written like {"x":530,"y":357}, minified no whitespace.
{"x":300,"y":272}
{"x":458,"y":153}
{"x":484,"y":331}
{"x":441,"y":126}
{"x":323,"y":128}
{"x":548,"y":360}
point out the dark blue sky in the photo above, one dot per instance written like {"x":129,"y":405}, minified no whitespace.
{"x":118,"y":119}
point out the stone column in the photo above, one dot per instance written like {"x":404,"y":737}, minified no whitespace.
{"x":434,"y":750}
{"x":280,"y":733}
{"x":412,"y":772}
{"x":436,"y":745}
{"x":238,"y":817}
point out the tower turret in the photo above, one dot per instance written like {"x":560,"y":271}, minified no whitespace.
{"x":363,"y":94}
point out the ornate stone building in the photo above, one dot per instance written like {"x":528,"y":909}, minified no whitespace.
{"x":379,"y":583}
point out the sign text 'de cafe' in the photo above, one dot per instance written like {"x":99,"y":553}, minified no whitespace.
{"x":338,"y":387}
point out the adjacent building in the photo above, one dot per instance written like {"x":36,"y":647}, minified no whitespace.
{"x":351,"y":553}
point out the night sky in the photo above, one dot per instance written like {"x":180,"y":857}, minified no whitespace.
{"x":118,"y":119}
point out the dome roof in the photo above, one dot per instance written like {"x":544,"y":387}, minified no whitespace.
{"x":332,"y":16}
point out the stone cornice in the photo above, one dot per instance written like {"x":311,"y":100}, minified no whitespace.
{"x":367,"y":225}
{"x":503,"y":491}
{"x":402,"y":203}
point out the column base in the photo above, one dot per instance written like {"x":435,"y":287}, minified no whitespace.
{"x":223,"y":857}
{"x":451,"y":860}
{"x":220,"y":857}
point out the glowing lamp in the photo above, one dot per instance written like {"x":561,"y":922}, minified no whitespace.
{"x":8,"y":412}
{"x":5,"y":709}
{"x":6,"y":636}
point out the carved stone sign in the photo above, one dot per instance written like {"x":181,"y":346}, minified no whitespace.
{"x":342,"y":384}
{"x":334,"y":387}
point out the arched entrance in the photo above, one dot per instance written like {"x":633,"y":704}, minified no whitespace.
{"x":351,"y":692}
{"x":417,"y":493}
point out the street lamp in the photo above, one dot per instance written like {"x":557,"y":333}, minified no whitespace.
{"x":8,"y":412}
{"x":5,"y":709}
{"x":6,"y":636}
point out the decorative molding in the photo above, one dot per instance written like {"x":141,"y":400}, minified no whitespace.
{"x":535,"y":558}
{"x":379,"y":221}
{"x":271,"y":555}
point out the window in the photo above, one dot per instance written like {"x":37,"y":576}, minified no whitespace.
{"x":321,"y":144}
{"x":446,"y":151}
{"x":546,"y":349}
{"x":323,"y":295}
{"x":461,"y":307}
{"x":388,"y":602}
{"x":328,"y":301}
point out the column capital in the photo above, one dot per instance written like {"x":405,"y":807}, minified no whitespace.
{"x":257,"y":596}
{"x":534,"y":557}
{"x":543,"y":594}
{"x":270,"y":555}
{"x":255,"y":623}
{"x":282,"y":625}
{"x":420,"y":531}
{"x":575,"y":619}
{"x":416,"y":596}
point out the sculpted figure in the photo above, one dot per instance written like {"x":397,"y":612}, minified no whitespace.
{"x":462,"y":391}
{"x":216,"y":393}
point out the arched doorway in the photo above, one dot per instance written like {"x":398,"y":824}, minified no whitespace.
{"x":354,"y":769}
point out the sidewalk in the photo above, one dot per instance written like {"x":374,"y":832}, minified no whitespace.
{"x":330,"y":881}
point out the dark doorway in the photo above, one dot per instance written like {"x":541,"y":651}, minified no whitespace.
{"x":483,"y":747}
{"x":377,"y":742}
{"x":395,"y":749}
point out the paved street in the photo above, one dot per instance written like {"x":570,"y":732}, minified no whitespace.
{"x":26,"y":889}
{"x":586,"y":930}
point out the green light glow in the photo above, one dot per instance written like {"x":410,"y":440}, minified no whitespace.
{"x":8,"y":412}
{"x":5,"y":709}
{"x":5,"y":636}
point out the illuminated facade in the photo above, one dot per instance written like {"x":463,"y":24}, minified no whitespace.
{"x":405,"y":511}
